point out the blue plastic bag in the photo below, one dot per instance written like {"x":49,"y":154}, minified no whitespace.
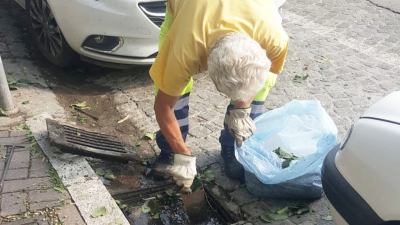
{"x":300,"y":127}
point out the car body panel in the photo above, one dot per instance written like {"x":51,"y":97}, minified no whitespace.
{"x":79,"y":19}
{"x":121,"y":18}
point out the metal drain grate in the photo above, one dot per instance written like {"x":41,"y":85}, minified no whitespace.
{"x":93,"y":140}
{"x":82,"y":142}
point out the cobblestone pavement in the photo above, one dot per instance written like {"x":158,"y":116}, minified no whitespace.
{"x":349,"y":50}
{"x":29,"y":194}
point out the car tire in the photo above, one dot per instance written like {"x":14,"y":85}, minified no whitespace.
{"x":47,"y":34}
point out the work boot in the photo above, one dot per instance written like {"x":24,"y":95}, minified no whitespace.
{"x":159,"y":168}
{"x":233,"y":168}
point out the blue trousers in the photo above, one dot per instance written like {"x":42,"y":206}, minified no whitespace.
{"x":181,"y":111}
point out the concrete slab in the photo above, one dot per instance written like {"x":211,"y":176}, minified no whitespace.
{"x":85,"y":188}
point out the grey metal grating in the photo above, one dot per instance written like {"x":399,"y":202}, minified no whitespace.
{"x":93,"y":140}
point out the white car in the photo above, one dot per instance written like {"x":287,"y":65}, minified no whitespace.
{"x":110,"y":32}
{"x":361,"y":178}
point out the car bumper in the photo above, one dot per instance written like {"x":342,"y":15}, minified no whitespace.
{"x":348,"y":207}
{"x":123,"y":19}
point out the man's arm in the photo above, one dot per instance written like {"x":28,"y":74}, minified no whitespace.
{"x":164,"y":110}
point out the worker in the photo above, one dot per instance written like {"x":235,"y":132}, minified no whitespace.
{"x":243,"y":46}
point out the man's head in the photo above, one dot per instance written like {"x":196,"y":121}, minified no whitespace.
{"x":238,"y":66}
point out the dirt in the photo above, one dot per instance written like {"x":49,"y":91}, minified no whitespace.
{"x":101,"y":116}
{"x":77,"y":85}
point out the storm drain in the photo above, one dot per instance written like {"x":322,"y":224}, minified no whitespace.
{"x":83,"y":142}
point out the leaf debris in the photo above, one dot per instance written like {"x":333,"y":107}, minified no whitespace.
{"x":297,"y":208}
{"x":98,"y":212}
{"x":286,"y":156}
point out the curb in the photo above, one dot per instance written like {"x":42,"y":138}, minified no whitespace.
{"x":84,"y":186}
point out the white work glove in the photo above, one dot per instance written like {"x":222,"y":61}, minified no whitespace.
{"x":183,"y":171}
{"x":240,"y":125}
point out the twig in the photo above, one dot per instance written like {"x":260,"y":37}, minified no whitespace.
{"x":124,"y":119}
{"x":86,"y":113}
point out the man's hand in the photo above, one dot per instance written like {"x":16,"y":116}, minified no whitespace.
{"x":183,"y":171}
{"x":240,"y":124}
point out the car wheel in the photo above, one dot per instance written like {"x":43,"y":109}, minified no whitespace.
{"x":47,"y":34}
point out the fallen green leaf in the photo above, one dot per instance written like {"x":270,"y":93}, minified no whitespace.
{"x":277,"y":217}
{"x":300,"y":78}
{"x":288,"y":157}
{"x":24,"y":81}
{"x":266,"y":218}
{"x":197,"y":184}
{"x":81,"y":119}
{"x":327,"y":218}
{"x":100,"y":171}
{"x":145,"y":208}
{"x":101,"y":211}
{"x":80,"y":105}
{"x":170,"y":192}
{"x":156,"y":216}
{"x":119,"y":221}
{"x":150,"y":136}
{"x":270,"y":217}
{"x":208,"y":176}
{"x":302,"y":210}
{"x":2,"y":113}
{"x":58,"y":189}
{"x":12,"y":85}
{"x":109,"y":175}
{"x":283,"y":211}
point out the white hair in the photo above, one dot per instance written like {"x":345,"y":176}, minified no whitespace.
{"x":238,"y":66}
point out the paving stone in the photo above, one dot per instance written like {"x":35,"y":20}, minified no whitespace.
{"x":200,"y":132}
{"x":222,"y":180}
{"x":241,"y":196}
{"x":12,"y":140}
{"x":4,"y":133}
{"x":46,"y":196}
{"x":68,"y":214}
{"x":307,"y":223}
{"x":311,"y":218}
{"x":39,"y":167}
{"x":15,"y":174}
{"x":13,"y":203}
{"x":18,"y":133}
{"x":43,"y":205}
{"x":26,"y":185}
{"x":40,"y":220}
{"x":255,"y":209}
{"x":6,"y":122}
{"x":20,"y":160}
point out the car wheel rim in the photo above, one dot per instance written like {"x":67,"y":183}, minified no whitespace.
{"x":45,"y":27}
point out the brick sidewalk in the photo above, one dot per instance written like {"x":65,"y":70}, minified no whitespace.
{"x":32,"y":192}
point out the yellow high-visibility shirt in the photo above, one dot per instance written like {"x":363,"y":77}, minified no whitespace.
{"x":198,"y":24}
